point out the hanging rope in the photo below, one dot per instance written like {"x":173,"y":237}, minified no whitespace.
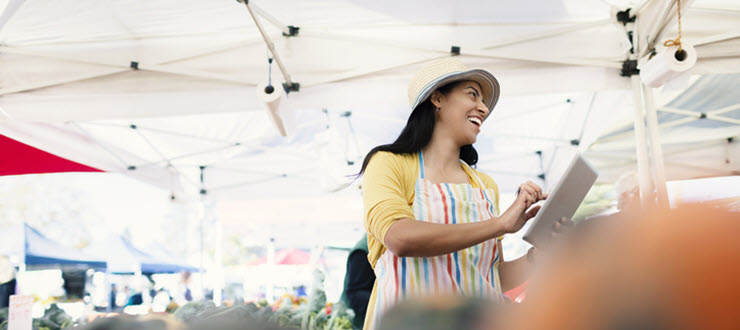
{"x":677,"y":41}
{"x":269,"y":72}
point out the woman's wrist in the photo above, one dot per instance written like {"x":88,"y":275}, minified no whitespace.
{"x":500,"y":226}
{"x":505,"y":225}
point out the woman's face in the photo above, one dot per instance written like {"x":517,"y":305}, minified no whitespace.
{"x":461,"y":112}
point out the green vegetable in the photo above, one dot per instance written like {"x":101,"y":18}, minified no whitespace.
{"x":3,"y":314}
{"x":194,"y":310}
{"x":58,"y":316}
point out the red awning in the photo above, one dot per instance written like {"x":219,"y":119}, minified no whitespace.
{"x":18,"y":158}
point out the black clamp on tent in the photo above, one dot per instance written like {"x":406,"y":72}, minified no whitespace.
{"x":202,"y":181}
{"x":134,"y":65}
{"x":292,"y":31}
{"x":293,"y":87}
{"x":575,"y":142}
{"x":629,"y":68}
{"x":624,"y":17}
{"x":455,"y":50}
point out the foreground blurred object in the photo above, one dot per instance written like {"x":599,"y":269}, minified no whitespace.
{"x":442,"y":312}
{"x":287,"y":313}
{"x":144,"y":322}
{"x":674,"y":269}
{"x":7,"y":281}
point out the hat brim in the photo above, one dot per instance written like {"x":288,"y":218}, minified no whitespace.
{"x":488,"y":83}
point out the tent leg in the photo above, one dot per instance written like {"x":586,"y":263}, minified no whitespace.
{"x":202,"y":249}
{"x":108,"y":288}
{"x":20,"y":278}
{"x":270,"y":286}
{"x":219,"y":281}
{"x":656,"y":148}
{"x":643,"y":168}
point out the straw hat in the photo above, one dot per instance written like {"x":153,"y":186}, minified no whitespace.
{"x":445,"y":71}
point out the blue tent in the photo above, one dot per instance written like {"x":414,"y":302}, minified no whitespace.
{"x":123,"y":258}
{"x":41,"y":251}
{"x":169,"y":260}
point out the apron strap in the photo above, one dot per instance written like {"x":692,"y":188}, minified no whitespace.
{"x":475,"y":175}
{"x":421,"y":165}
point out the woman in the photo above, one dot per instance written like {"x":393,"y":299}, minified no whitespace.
{"x":433,"y":221}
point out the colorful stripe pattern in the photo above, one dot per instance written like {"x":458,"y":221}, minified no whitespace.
{"x":470,"y":272}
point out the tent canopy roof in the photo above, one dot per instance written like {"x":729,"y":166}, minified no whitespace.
{"x":156,"y":90}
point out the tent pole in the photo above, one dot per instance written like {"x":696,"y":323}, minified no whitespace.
{"x":711,"y":114}
{"x":108,"y":288}
{"x":202,"y":248}
{"x":656,"y":148}
{"x":270,"y":287}
{"x":544,"y":59}
{"x":270,"y":45}
{"x":60,"y":81}
{"x":367,"y":71}
{"x":723,"y":119}
{"x":274,"y":21}
{"x":719,"y":37}
{"x":550,"y":33}
{"x":661,"y":125}
{"x":725,"y":109}
{"x":117,"y":68}
{"x":10,"y":9}
{"x":643,"y":168}
{"x":20,"y":277}
{"x":218,"y":262}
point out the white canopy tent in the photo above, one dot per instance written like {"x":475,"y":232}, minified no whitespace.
{"x":165,"y":91}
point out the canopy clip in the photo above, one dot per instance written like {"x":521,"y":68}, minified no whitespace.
{"x":629,"y":68}
{"x":292,"y":87}
{"x":624,"y":17}
{"x":292,"y":31}
{"x":455,"y":50}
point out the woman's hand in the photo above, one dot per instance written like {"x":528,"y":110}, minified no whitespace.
{"x":561,"y":227}
{"x":519,"y":212}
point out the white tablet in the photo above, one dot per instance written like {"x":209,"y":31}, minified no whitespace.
{"x":563,"y":200}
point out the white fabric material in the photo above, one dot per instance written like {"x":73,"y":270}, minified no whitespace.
{"x":68,"y":86}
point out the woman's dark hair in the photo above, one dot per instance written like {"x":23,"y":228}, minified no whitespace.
{"x":418,"y":132}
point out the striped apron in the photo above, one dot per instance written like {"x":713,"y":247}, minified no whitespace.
{"x":471,"y":272}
